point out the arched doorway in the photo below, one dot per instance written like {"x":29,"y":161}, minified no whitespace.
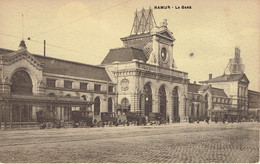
{"x":162,"y":100}
{"x":110,"y":105}
{"x":175,"y":97}
{"x":125,"y":105}
{"x":96,"y":106}
{"x":21,"y":83}
{"x":148,"y":99}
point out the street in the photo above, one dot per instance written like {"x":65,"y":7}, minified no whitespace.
{"x":183,"y":142}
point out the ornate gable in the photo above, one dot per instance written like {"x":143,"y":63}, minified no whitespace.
{"x":166,"y":34}
{"x":22,"y":54}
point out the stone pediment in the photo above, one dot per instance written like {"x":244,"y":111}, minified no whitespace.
{"x":19,"y":55}
{"x":166,"y":34}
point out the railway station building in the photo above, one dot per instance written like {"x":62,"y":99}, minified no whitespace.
{"x":138,"y":77}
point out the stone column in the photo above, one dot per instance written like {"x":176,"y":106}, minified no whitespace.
{"x":134,"y":101}
{"x":169,"y":107}
{"x":155,"y":100}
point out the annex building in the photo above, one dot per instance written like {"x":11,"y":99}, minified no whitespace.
{"x":139,"y":77}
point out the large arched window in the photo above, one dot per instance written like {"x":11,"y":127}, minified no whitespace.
{"x":96,"y":106}
{"x":21,"y":83}
{"x":110,"y":104}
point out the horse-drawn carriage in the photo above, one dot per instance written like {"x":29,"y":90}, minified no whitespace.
{"x":156,"y":118}
{"x":82,"y":118}
{"x":109,"y":118}
{"x":135,"y":118}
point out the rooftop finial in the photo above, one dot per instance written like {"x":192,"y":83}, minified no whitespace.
{"x":22,"y":45}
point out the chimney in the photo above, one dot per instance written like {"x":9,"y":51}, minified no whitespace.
{"x":22,"y":45}
{"x":194,"y":82}
{"x":210,"y":76}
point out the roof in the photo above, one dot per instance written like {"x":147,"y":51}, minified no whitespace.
{"x":124,"y":54}
{"x":68,"y":68}
{"x":195,"y":88}
{"x":226,"y":78}
{"x":62,"y":67}
{"x":5,"y":51}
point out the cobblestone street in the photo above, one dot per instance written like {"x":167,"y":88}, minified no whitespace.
{"x":236,"y":143}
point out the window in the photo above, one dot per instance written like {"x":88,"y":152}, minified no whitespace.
{"x":67,"y":84}
{"x":97,"y":87}
{"x":110,"y":88}
{"x":51,"y":83}
{"x":83,"y":86}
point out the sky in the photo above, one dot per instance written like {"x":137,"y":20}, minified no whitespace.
{"x":85,"y":30}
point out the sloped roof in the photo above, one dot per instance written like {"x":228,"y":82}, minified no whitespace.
{"x":5,"y":51}
{"x":62,"y":67}
{"x":68,"y":68}
{"x":218,"y":92}
{"x":226,"y":78}
{"x":124,"y":54}
{"x":194,"y":88}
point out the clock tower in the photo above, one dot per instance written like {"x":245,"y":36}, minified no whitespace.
{"x":155,"y":41}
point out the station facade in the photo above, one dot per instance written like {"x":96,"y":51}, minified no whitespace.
{"x":139,"y":77}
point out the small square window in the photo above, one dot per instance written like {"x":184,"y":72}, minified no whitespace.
{"x":51,"y":83}
{"x":67,"y":84}
{"x":110,"y":89}
{"x":97,"y":87}
{"x":84,"y":86}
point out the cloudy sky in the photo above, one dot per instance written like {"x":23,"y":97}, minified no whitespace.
{"x":85,"y":30}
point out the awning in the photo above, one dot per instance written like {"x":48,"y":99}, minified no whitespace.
{"x":45,"y":99}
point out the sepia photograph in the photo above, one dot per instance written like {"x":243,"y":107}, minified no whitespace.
{"x":128,"y":81}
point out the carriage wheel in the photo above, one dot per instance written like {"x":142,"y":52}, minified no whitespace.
{"x":83,"y":124}
{"x":49,"y":125}
{"x":65,"y":124}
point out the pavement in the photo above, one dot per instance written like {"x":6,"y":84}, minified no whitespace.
{"x":174,"y":143}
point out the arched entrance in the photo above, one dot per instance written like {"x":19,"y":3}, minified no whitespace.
{"x":148,"y":99}
{"x":21,"y":83}
{"x":162,"y":100}
{"x":96,"y":106}
{"x":175,"y":97}
{"x":109,"y":105}
{"x":125,"y":105}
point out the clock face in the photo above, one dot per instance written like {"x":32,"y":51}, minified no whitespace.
{"x":164,"y":54}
